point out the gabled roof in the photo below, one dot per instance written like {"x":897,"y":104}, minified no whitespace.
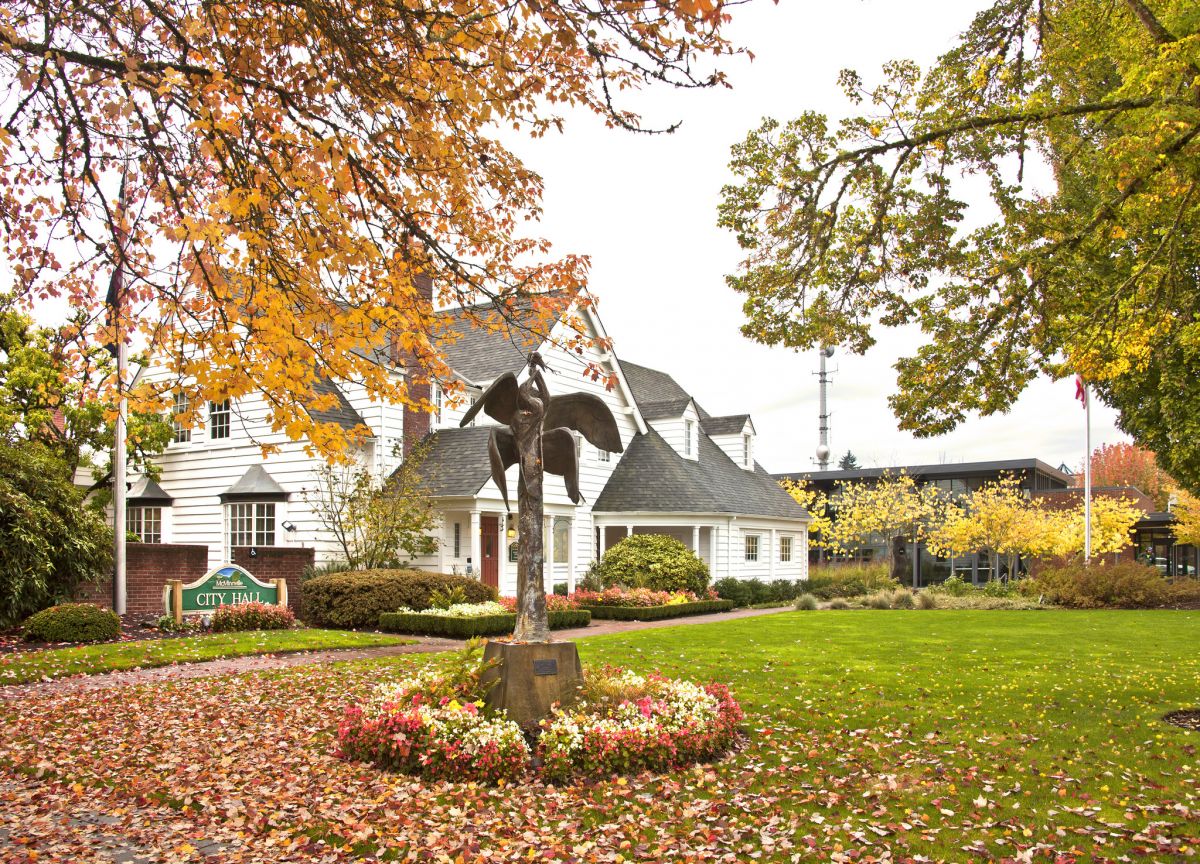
{"x":481,"y":353}
{"x":341,"y":412}
{"x":920,"y":472}
{"x":656,"y":392}
{"x":731,"y":425}
{"x":256,"y":484}
{"x":457,"y":463}
{"x":652,"y":477}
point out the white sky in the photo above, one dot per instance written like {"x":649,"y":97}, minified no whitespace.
{"x":644,"y":207}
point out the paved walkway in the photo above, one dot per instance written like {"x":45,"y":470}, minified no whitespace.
{"x":259,"y":662}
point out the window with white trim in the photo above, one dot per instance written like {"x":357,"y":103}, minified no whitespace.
{"x":689,"y":429}
{"x":181,"y":434}
{"x":436,"y":398}
{"x":218,"y":419}
{"x":457,"y":539}
{"x":145,"y":522}
{"x":785,"y":548}
{"x":751,"y":547}
{"x":746,"y":454}
{"x":603,"y":455}
{"x":251,"y":524}
{"x":562,"y":535}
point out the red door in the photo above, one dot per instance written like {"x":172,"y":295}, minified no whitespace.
{"x":489,"y":545}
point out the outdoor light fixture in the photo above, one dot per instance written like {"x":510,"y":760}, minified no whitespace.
{"x":288,"y":526}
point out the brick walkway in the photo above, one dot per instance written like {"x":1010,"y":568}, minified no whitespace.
{"x":260,"y":662}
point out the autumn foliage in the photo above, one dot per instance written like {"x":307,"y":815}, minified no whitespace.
{"x":273,"y":179}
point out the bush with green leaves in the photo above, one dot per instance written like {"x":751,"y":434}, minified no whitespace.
{"x":358,"y":598}
{"x":72,"y":622}
{"x":653,"y":561}
{"x":50,"y":541}
{"x":445,"y":598}
{"x":750,"y":592}
{"x":828,"y":581}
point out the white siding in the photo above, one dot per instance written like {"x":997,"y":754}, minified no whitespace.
{"x":674,"y":431}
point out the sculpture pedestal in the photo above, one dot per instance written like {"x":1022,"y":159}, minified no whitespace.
{"x":531,"y":677}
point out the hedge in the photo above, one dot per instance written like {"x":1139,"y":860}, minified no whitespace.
{"x":423,"y":624}
{"x":657,"y":613}
{"x":358,"y":598}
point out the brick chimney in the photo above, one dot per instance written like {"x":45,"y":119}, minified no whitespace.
{"x":416,"y":423}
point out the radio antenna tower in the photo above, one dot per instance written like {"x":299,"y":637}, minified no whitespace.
{"x":825,"y":352}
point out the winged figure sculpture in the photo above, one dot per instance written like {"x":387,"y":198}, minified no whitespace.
{"x":538,"y":434}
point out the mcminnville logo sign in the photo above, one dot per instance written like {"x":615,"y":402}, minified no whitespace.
{"x":226,"y":585}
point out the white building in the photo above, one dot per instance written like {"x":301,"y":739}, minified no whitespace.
{"x":683,"y":473}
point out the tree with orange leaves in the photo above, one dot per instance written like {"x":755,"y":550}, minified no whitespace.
{"x":291,"y":169}
{"x":1125,"y":464}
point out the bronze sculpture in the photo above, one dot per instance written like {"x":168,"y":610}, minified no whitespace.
{"x":526,"y":410}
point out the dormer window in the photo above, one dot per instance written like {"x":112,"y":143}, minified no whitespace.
{"x":747,"y":455}
{"x":689,"y":432}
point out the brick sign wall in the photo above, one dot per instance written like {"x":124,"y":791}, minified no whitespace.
{"x":149,"y":565}
{"x":277,"y":562}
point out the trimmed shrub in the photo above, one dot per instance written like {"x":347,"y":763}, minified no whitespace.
{"x":424,"y":624}
{"x":73,"y":622}
{"x":252,"y":616}
{"x":357,"y":599}
{"x":927,"y":600}
{"x":653,"y":561}
{"x":657,"y":613}
{"x":806,"y":602}
{"x":1101,"y":586}
{"x":733,"y":589}
{"x":752,"y":592}
{"x":51,"y":542}
{"x":631,"y":597}
{"x":849,"y":580}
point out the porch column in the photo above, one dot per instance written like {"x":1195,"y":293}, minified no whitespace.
{"x":571,"y":555}
{"x":600,"y":543}
{"x":628,"y":530}
{"x":442,"y":546}
{"x":476,"y":547}
{"x":771,"y":551}
{"x":696,"y":540}
{"x":712,"y":549}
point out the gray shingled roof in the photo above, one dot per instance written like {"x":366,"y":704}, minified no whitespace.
{"x":146,"y":491}
{"x":341,"y":413}
{"x":654,"y":390}
{"x":457,"y":463}
{"x":731,"y":425}
{"x":663,"y":410}
{"x":481,"y":353}
{"x":652,"y":477}
{"x":255,"y":483}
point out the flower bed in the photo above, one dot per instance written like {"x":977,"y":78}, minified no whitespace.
{"x":435,"y":724}
{"x":657,"y":613}
{"x":252,"y":616}
{"x":465,"y":621}
{"x":637,"y":723}
{"x":618,"y":596}
{"x":554,"y":603}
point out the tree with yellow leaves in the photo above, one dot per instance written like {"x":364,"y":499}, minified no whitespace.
{"x":816,"y":503}
{"x":1113,"y":519}
{"x":997,"y":519}
{"x":273,"y":179}
{"x":1187,"y":518}
{"x":891,"y":509}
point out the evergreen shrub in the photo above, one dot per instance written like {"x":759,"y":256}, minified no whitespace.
{"x":73,"y":622}
{"x":653,"y":561}
{"x":358,"y":598}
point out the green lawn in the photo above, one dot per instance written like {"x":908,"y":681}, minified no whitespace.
{"x":871,"y":735}
{"x":22,"y":667}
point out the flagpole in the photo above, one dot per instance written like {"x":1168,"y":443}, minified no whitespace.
{"x":117,"y":292}
{"x":1087,"y":475}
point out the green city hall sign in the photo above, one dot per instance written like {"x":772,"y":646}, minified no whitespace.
{"x":227,"y":585}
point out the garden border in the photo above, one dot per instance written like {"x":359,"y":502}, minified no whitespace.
{"x":657,"y":613}
{"x":423,"y":624}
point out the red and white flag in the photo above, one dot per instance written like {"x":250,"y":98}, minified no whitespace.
{"x":1081,"y":391}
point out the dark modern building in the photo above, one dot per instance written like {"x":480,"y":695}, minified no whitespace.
{"x":1033,"y":476}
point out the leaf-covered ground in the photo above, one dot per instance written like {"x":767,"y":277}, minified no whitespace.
{"x":898,"y":736}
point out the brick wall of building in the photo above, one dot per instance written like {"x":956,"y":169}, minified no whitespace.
{"x":277,"y":562}
{"x":148,"y":566}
